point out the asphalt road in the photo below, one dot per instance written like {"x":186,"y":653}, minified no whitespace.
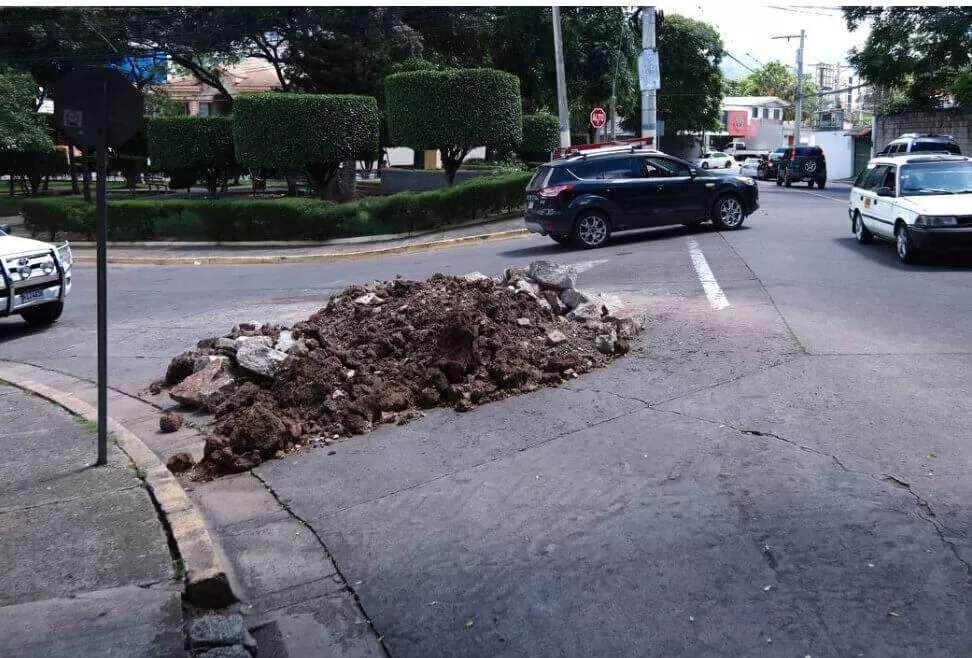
{"x":779,"y":469}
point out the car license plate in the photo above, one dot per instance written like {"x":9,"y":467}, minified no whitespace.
{"x":31,"y":295}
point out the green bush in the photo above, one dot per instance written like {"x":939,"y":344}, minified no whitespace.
{"x":200,"y":144}
{"x":226,"y":220}
{"x":454,"y":111}
{"x":541,"y":136}
{"x":303,"y":131}
{"x":30,"y":167}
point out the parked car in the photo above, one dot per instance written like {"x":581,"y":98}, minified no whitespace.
{"x":584,"y":198}
{"x":921,"y":202}
{"x":750,"y":167}
{"x":35,"y":278}
{"x":771,"y":164}
{"x":802,"y":164}
{"x":713,"y":160}
{"x":927,"y":142}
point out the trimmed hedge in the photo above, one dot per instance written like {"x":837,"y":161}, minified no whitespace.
{"x":305,"y":131}
{"x":454,"y":111}
{"x":541,"y":136}
{"x":278,"y":219}
{"x":195,"y":144}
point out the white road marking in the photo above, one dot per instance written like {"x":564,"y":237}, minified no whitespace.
{"x":717,"y":298}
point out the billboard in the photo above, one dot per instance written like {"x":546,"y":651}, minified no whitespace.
{"x":148,"y":67}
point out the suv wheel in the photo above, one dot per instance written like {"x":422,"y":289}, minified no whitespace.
{"x":861,"y":232}
{"x":43,"y":314}
{"x":787,"y":181}
{"x":727,"y":213}
{"x":591,"y":230}
{"x":907,"y":252}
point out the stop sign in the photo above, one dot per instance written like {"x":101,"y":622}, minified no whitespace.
{"x":598,"y":117}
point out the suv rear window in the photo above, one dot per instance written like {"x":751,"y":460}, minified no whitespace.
{"x":934,"y":145}
{"x":541,"y":178}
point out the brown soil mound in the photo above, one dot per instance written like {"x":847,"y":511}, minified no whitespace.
{"x":405,"y":347}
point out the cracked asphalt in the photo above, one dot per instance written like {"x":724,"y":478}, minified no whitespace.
{"x":783,"y":477}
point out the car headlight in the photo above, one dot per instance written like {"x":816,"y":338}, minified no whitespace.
{"x":936,"y":220}
{"x":746,"y":180}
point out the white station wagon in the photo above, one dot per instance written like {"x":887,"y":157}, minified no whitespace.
{"x":923,"y":203}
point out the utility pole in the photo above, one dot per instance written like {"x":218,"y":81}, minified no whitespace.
{"x":561,"y":81}
{"x":649,"y":124}
{"x":798,"y":118}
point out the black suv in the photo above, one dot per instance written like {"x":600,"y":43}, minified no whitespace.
{"x":585,"y":197}
{"x":802,"y":163}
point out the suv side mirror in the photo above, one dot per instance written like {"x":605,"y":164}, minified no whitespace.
{"x":5,"y":228}
{"x":884,"y":191}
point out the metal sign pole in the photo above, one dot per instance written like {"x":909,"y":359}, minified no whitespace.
{"x":101,"y":232}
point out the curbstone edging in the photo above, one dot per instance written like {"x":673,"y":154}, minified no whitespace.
{"x":308,"y":258}
{"x":206,"y":583}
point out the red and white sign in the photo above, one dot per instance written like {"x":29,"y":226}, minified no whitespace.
{"x":598,"y":117}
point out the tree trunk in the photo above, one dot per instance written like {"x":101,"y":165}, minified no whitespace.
{"x":73,"y":166}
{"x":86,"y":175}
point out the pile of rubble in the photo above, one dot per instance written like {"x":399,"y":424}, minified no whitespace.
{"x":383,"y":353}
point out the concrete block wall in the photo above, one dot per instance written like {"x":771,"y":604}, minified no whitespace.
{"x":954,"y":122}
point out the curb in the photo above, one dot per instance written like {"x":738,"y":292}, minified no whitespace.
{"x":308,"y":258}
{"x":256,"y":244}
{"x":206,"y":583}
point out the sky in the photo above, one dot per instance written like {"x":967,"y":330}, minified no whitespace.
{"x":747,"y":29}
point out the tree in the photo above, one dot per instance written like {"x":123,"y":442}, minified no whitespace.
{"x":21,"y":128}
{"x":315,"y":133}
{"x":775,"y":79}
{"x":923,"y":51}
{"x":454,"y":111}
{"x":690,"y":97}
{"x":200,"y":144}
{"x":541,"y":135}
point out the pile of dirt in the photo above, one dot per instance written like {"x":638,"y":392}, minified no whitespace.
{"x":382,"y":353}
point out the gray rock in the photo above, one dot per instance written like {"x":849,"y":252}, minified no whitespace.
{"x":522,"y":285}
{"x":606,"y":342}
{"x":261,"y":340}
{"x":369,"y":299}
{"x":556,"y":337}
{"x":258,"y":358}
{"x":630,"y":325}
{"x":244,"y":329}
{"x":553,"y":276}
{"x":586,"y":312}
{"x":285,"y":341}
{"x":511,"y":274}
{"x":207,"y":388}
{"x":572,"y":298}
{"x":553,"y":300}
{"x":475,"y":276}
{"x":523,"y":322}
{"x":544,"y":304}
{"x":204,"y":361}
{"x":220,"y":631}
{"x":235,"y":651}
{"x":226,"y":346}
{"x":599,"y":306}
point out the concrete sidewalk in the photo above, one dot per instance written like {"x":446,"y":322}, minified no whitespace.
{"x":87,"y":569}
{"x":164,"y":253}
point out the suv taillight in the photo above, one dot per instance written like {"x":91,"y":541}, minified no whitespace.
{"x":551,"y":192}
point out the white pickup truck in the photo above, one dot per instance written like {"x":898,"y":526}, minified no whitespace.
{"x":35,"y":278}
{"x":739,"y":152}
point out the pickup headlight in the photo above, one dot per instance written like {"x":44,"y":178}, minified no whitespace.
{"x":936,"y":220}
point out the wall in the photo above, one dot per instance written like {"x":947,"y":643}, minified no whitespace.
{"x":954,"y":122}
{"x":421,"y":180}
{"x":400,"y":156}
{"x":838,"y":148}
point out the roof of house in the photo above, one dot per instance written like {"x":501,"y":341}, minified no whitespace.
{"x":754,"y":101}
{"x":252,"y":75}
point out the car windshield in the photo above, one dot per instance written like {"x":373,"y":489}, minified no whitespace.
{"x":929,"y":178}
{"x":776,"y":156}
{"x":751,"y":162}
